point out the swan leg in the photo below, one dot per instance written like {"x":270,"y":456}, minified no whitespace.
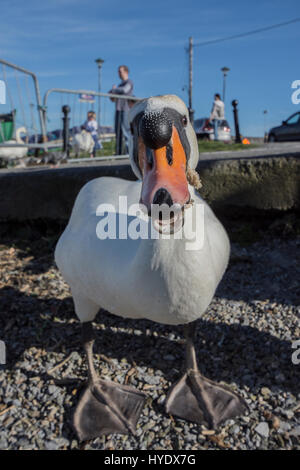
{"x":105,"y":407}
{"x":198,"y":399}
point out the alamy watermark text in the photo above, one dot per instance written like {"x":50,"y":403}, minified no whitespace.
{"x":296,"y":94}
{"x":2,"y":353}
{"x":2,"y":92}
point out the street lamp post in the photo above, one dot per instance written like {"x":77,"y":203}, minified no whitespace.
{"x":99,"y":62}
{"x":225,"y":70}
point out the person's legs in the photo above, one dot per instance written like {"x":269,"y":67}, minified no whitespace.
{"x":118,"y":130}
{"x":96,"y":146}
{"x":126,"y":129}
{"x":121,"y":133}
{"x":215,"y":121}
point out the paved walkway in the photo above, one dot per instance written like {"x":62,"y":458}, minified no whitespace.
{"x":275,"y":149}
{"x":270,"y":149}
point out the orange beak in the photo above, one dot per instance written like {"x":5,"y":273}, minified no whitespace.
{"x":163,"y":173}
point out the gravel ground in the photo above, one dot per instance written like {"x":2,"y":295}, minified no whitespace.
{"x":244,"y":340}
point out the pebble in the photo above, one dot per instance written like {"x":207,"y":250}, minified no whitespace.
{"x":246,"y":419}
{"x":23,"y":442}
{"x":54,"y":390}
{"x":3,"y":443}
{"x":295,"y":431}
{"x":208,"y":432}
{"x":161,"y":399}
{"x":288,"y":413}
{"x":265,"y":391}
{"x":275,"y":423}
{"x":151,"y":379}
{"x":284,"y":427}
{"x":263,"y":429}
{"x":56,"y":444}
{"x":234,"y":429}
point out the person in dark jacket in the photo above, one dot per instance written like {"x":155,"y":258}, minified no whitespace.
{"x":122,"y":107}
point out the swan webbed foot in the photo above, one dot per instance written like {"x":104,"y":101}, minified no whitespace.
{"x":107,"y":407}
{"x":200,"y":400}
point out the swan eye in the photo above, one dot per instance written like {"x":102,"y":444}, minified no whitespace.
{"x":184,"y":121}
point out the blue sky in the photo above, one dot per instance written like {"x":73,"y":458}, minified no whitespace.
{"x":60,"y":39}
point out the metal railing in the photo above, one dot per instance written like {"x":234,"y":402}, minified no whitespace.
{"x":43,"y":106}
{"x":83,"y":92}
{"x":86,"y":92}
{"x":79,"y":93}
{"x":38,"y":101}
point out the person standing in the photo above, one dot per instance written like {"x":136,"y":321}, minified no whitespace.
{"x":122,"y":107}
{"x":217,"y":113}
{"x":91,"y":126}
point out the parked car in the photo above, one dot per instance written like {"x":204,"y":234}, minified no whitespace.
{"x":289,"y":130}
{"x":204,"y":130}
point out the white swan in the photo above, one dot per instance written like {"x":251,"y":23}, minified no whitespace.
{"x":83,"y":142}
{"x":13,"y":153}
{"x":169,"y":281}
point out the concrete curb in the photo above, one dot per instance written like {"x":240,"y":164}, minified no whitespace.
{"x":261,"y":183}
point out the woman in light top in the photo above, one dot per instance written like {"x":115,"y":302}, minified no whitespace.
{"x":91,"y":126}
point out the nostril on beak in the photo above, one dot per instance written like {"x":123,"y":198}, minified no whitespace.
{"x":162,"y":196}
{"x":155,"y":129}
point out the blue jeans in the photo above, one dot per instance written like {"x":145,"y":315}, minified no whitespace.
{"x":215,"y":123}
{"x":122,"y":130}
{"x":97,"y":145}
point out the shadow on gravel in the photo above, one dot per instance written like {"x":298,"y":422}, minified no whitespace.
{"x":36,"y":239}
{"x":232,"y":353}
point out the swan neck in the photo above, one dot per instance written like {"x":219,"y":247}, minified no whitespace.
{"x":18,"y":135}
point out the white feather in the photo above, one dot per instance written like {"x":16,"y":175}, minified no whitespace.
{"x":83,"y":142}
{"x":13,"y":153}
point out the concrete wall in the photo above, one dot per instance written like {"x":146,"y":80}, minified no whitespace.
{"x":262,"y":183}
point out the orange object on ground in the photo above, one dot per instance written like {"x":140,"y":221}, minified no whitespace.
{"x":246,"y":141}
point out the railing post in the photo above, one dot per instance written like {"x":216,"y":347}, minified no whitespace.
{"x":37,"y":93}
{"x":236,"y":122}
{"x":66,"y":125}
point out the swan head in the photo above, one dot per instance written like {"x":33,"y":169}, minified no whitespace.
{"x":162,"y":148}
{"x":22,"y":130}
{"x":19,"y":131}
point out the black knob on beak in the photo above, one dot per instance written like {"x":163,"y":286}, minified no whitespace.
{"x":155,"y":129}
{"x":162,"y":196}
